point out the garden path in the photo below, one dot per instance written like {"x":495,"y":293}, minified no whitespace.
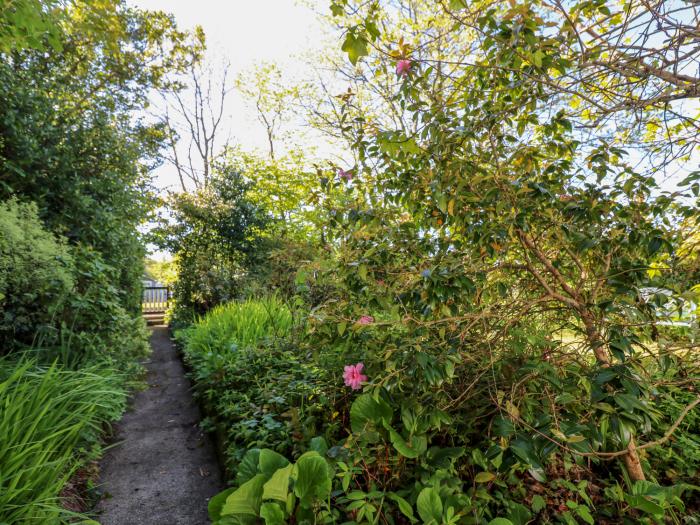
{"x":163,"y":470}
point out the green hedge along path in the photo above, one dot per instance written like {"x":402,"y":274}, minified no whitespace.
{"x":163,"y":469}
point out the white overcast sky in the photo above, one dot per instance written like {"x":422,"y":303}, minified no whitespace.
{"x":245,"y":33}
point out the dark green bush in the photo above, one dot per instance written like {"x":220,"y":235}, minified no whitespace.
{"x":257,"y":386}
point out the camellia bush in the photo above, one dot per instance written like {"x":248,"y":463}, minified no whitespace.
{"x":510,"y":303}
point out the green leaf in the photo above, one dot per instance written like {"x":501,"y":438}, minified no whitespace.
{"x":538,"y":503}
{"x":367,"y":412}
{"x":319,"y":445}
{"x":429,"y":505}
{"x":644,"y":504}
{"x":355,"y":47}
{"x":248,"y":467}
{"x":484,"y":477}
{"x":277,"y":487}
{"x":272,"y":514}
{"x":500,"y":521}
{"x":312,"y":480}
{"x":217,"y":502}
{"x":585,"y":514}
{"x":404,"y":506}
{"x":270,"y":461}
{"x":416,"y":447}
{"x":246,"y":499}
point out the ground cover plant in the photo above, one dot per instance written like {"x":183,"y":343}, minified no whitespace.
{"x":256,"y":387}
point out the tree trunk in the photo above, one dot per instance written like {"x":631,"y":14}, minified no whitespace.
{"x":631,"y":459}
{"x":632,"y":463}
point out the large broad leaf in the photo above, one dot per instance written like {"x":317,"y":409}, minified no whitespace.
{"x":270,"y":461}
{"x":429,"y":505}
{"x":217,"y":502}
{"x":248,"y":467}
{"x":246,"y":499}
{"x":312,"y":478}
{"x":367,"y":413}
{"x":644,"y":504}
{"x":272,"y":514}
{"x":278,"y":485}
{"x":444,"y":457}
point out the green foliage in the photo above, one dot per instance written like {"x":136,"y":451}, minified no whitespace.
{"x":214,"y":234}
{"x":527,"y":293}
{"x":51,"y":420}
{"x":277,"y":490}
{"x":238,"y":324}
{"x":257,"y":388}
{"x":29,"y":23}
{"x":36,"y":274}
{"x":74,"y":188}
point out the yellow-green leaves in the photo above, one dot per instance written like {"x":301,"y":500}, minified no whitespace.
{"x":355,"y":46}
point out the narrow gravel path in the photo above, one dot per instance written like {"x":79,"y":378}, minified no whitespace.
{"x":163,"y":470}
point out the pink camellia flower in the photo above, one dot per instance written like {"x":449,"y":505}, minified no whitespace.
{"x":365,"y":319}
{"x":403,"y":66}
{"x":347,"y":175}
{"x":353,"y":376}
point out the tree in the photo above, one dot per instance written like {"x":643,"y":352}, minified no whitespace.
{"x":272,"y":98}
{"x":214,"y":234}
{"x":523,"y":224}
{"x":193,"y":112}
{"x":69,"y":140}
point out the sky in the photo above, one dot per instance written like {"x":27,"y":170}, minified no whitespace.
{"x":246,"y":33}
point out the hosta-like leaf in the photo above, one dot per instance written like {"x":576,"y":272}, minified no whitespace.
{"x":272,"y":513}
{"x":312,"y":479}
{"x":246,"y":499}
{"x":270,"y":461}
{"x":277,"y":487}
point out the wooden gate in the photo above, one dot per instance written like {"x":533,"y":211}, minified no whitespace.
{"x":155,"y":299}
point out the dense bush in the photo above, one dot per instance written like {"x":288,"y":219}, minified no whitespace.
{"x":36,"y":275}
{"x":74,"y":189}
{"x":51,"y":422}
{"x":258,"y":389}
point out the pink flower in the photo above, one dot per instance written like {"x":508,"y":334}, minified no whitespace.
{"x":403,"y":66}
{"x":353,"y":376}
{"x":347,"y":175}
{"x":365,"y":319}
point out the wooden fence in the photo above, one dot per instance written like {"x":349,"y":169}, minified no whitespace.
{"x":155,"y":299}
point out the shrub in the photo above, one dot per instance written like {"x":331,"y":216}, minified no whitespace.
{"x":49,"y":414}
{"x":36,"y":274}
{"x":258,"y":388}
{"x":240,"y":324}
